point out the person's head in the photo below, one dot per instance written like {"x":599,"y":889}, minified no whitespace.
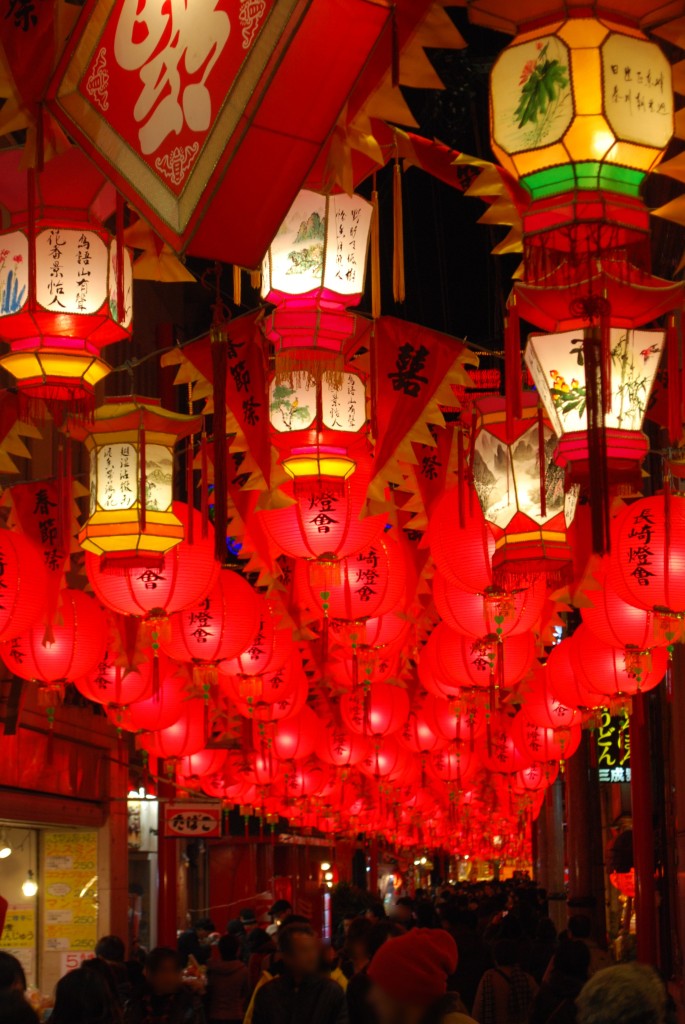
{"x":204,"y":927}
{"x":410,"y":973}
{"x":14,"y":1009}
{"x":506,"y":953}
{"x":545,"y":931}
{"x":248,"y":919}
{"x":82,"y":997}
{"x":625,"y":994}
{"x":164,"y":971}
{"x":403,"y":912}
{"x":376,"y":912}
{"x":280,"y":910}
{"x":111,"y":947}
{"x":300,"y":949}
{"x":573,"y":960}
{"x":229,"y":947}
{"x":12,"y":977}
{"x":347,"y":921}
{"x":380,"y":933}
{"x":578,"y":926}
{"x":357,"y":939}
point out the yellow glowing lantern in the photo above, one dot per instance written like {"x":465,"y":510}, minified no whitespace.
{"x":581,"y":103}
{"x":131,"y":447}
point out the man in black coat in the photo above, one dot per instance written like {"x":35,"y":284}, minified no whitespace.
{"x":300,"y":993}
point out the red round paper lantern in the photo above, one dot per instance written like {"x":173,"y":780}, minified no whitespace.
{"x":450,"y":661}
{"x":267,"y":650}
{"x":160,"y":710}
{"x":564,"y":683}
{"x":301,"y":780}
{"x":368,"y":584}
{"x":275,"y":711}
{"x":386,"y":760}
{"x":341,"y":747}
{"x":368,"y":666}
{"x":419,"y":733}
{"x":611,"y":672}
{"x":462,"y":719}
{"x":221,"y":625}
{"x":188,"y":574}
{"x":537,"y":776}
{"x":379,"y":711}
{"x":75,"y":645}
{"x":324,"y":520}
{"x":542,"y":743}
{"x":463,"y":554}
{"x":383,"y":631}
{"x":493,"y":612}
{"x":203,"y":764}
{"x":457,"y":763}
{"x":647,"y":563}
{"x":187,"y":736}
{"x":116,"y":685}
{"x":295,"y":738}
{"x":498,"y":750}
{"x":541,"y":704}
{"x":613,"y":621}
{"x":268,"y":688}
{"x":23,"y":584}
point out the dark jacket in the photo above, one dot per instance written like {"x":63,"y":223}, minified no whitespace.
{"x":189,"y":945}
{"x":556,"y":1001}
{"x":359,"y":1009}
{"x":227,"y":990}
{"x":184,"y":1007}
{"x":316,"y":1000}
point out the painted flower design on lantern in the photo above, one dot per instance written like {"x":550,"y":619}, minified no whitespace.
{"x":13,"y":279}
{"x":544,"y":85}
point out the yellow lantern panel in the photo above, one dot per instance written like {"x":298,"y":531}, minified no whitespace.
{"x":582,"y":32}
{"x":585,"y":70}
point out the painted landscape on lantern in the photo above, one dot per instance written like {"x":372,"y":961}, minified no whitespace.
{"x":507,"y":478}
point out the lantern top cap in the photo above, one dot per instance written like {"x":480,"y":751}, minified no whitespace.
{"x":510,"y":16}
{"x":122,"y":414}
{"x":93,"y":198}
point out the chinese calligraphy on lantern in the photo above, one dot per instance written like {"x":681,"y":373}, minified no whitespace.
{"x":71,"y":270}
{"x":613,"y":748}
{"x":640,"y":555}
{"x":638,"y":97}
{"x":343,"y":402}
{"x":117,"y":476}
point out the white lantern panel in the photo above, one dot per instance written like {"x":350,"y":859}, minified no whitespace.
{"x":507,"y":477}
{"x":292,"y":408}
{"x":343,"y":401}
{"x":571,"y":504}
{"x":322,"y":243}
{"x":128,"y":286}
{"x":556,"y":365}
{"x":519,"y":120}
{"x":638,"y":96}
{"x":93,"y":469}
{"x":71,"y":270}
{"x":14,"y":272}
{"x":117,"y":476}
{"x":159,"y":477}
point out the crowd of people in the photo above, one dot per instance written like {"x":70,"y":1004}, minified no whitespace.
{"x":483,"y":954}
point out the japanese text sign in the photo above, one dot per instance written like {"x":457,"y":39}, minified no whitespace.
{"x":188,"y":821}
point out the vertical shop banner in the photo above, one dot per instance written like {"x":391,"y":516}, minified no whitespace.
{"x":69,"y":885}
{"x":18,"y":937}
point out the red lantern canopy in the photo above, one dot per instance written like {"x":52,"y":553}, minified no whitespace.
{"x":495,"y":612}
{"x":499,"y":751}
{"x":647,"y":563}
{"x":220,"y":626}
{"x":267,"y":688}
{"x":419,"y":733}
{"x":295,"y":738}
{"x":458,"y":763}
{"x":75,"y":646}
{"x":380,"y":710}
{"x":542,"y":706}
{"x":462,"y":553}
{"x":461,"y":719}
{"x":66,"y":284}
{"x":205,"y":763}
{"x":286,"y":706}
{"x":267,"y":651}
{"x":368,"y":584}
{"x":188,"y":574}
{"x":387,"y":760}
{"x":187,"y":736}
{"x":450,"y":662}
{"x":23,"y":584}
{"x":543,"y":743}
{"x":615,"y":673}
{"x":537,"y":776}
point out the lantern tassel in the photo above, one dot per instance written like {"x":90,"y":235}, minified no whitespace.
{"x":597,"y":450}
{"x":512,"y":364}
{"x":543,"y":459}
{"x":398,"y":288}
{"x":375,"y":255}
{"x":675,"y":395}
{"x":220,"y":370}
{"x":237,"y":286}
{"x":256,"y":279}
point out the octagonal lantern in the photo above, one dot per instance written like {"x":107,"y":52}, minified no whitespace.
{"x":521,"y":490}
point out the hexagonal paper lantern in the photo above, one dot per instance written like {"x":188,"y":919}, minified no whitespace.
{"x":556,"y":364}
{"x":523,"y":501}
{"x":131,"y":446}
{"x":582,"y":103}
